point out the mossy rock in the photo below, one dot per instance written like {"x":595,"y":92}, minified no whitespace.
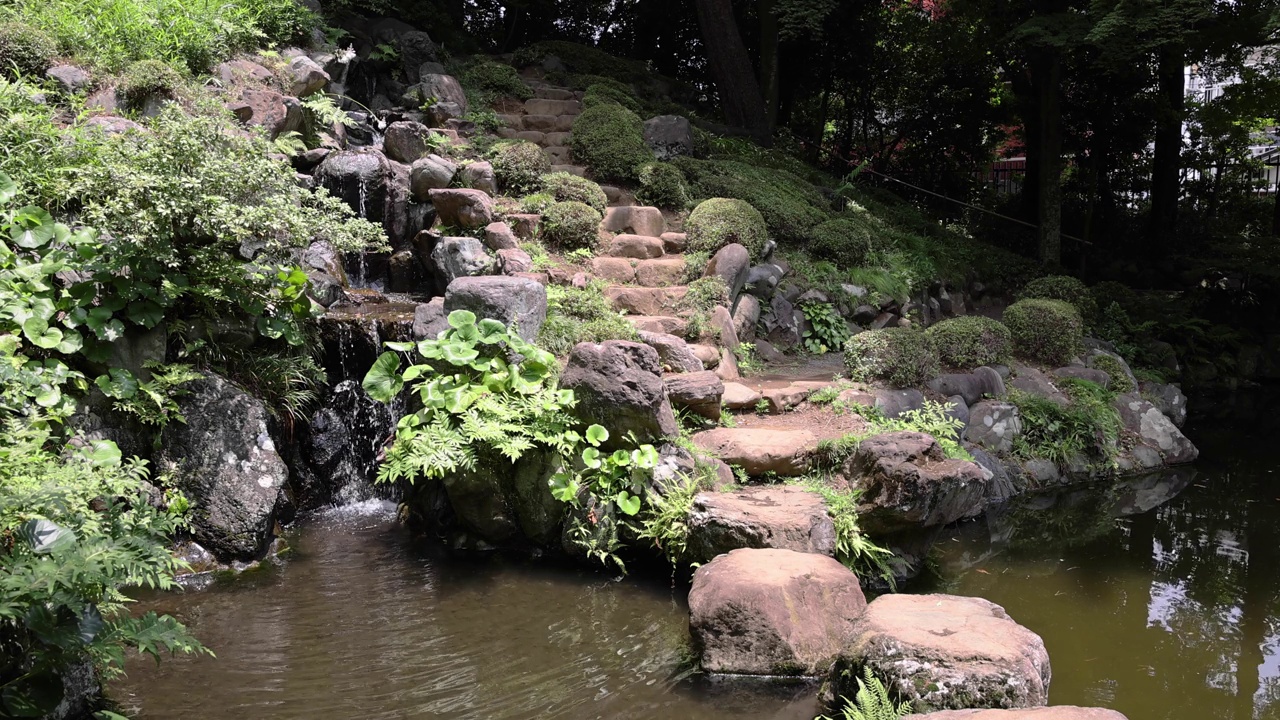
{"x":497,"y":79}
{"x":576,"y":315}
{"x":722,"y":221}
{"x":609,"y":139}
{"x":570,"y":225}
{"x":901,"y":357}
{"x":1045,"y":331}
{"x":25,"y":51}
{"x":971,"y":341}
{"x":662,"y":185}
{"x":519,"y":167}
{"x":149,"y":79}
{"x":600,"y":93}
{"x":1066,"y":289}
{"x":563,"y":187}
{"x":847,"y":242}
{"x":1120,"y":381}
{"x":791,"y":206}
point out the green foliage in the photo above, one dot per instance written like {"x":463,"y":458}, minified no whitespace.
{"x":495,"y":79}
{"x":604,"y":93}
{"x":563,"y":187}
{"x":149,"y":79}
{"x":537,"y":203}
{"x":519,"y":167}
{"x":40,"y":155}
{"x":609,"y":139}
{"x":666,"y":521}
{"x":827,"y":330}
{"x":1066,"y":289}
{"x":845,"y":241}
{"x":1120,"y":382}
{"x":706,"y":293}
{"x":483,"y":391}
{"x":581,"y":315}
{"x":584,"y":60}
{"x":1047,"y":331}
{"x":970,"y":341}
{"x":77,"y":530}
{"x":1089,"y":426}
{"x":902,"y":357}
{"x":853,"y":549}
{"x":871,"y":702}
{"x":24,"y":50}
{"x":748,"y":362}
{"x":718,"y":222}
{"x":695,"y":263}
{"x":570,"y":225}
{"x":662,"y":185}
{"x":791,"y":206}
{"x":931,"y":419}
{"x":615,"y":480}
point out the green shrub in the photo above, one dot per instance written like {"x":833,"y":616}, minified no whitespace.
{"x":40,"y":155}
{"x":599,"y":94}
{"x":537,"y":203}
{"x":570,"y":225}
{"x":25,"y":51}
{"x":149,"y":78}
{"x":1066,"y":289}
{"x":581,"y":315}
{"x":1120,"y":382}
{"x":902,"y":357}
{"x":609,"y":139}
{"x":1046,"y":331}
{"x":845,"y":241}
{"x":970,"y":341}
{"x":519,"y":167}
{"x":722,"y":221}
{"x":662,"y":185}
{"x":1088,"y":426}
{"x":584,"y":60}
{"x":496,"y":79}
{"x":791,"y":206}
{"x":565,"y":186}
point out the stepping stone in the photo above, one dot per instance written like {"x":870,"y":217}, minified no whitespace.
{"x":674,"y":352}
{"x":559,"y":138}
{"x":559,"y":155}
{"x":646,"y":301}
{"x":738,"y":396}
{"x":553,"y":93}
{"x":660,"y":272}
{"x":542,"y":123}
{"x":635,"y":246}
{"x":773,"y":612}
{"x":515,"y":122}
{"x":544,"y":106}
{"x":783,"y":399}
{"x":675,"y":242}
{"x":507,"y":133}
{"x":784,"y":517}
{"x":661,"y":324}
{"x":524,"y":225}
{"x":571,"y":169}
{"x":783,"y":451}
{"x":907,"y":482}
{"x":614,"y":269}
{"x":532,"y":136}
{"x":944,"y":652}
{"x":1057,"y":712}
{"x":698,"y":392}
{"x":635,"y":220}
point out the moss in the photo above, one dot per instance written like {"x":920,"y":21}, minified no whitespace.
{"x":581,"y":315}
{"x":1120,"y":382}
{"x":1065,"y":288}
{"x":790,"y":205}
{"x":149,"y":78}
{"x":496,"y":79}
{"x":970,"y":341}
{"x":662,"y":185}
{"x":600,"y":93}
{"x":722,"y":221}
{"x":848,"y":242}
{"x":609,"y":139}
{"x":570,"y":225}
{"x":519,"y":167}
{"x":25,"y":50}
{"x":563,"y":186}
{"x":902,"y":357}
{"x":1046,"y":331}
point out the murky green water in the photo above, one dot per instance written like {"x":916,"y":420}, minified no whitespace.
{"x":1160,"y":599}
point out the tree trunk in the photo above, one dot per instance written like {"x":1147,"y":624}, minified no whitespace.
{"x":769,"y":77}
{"x":731,"y":68}
{"x":1046,"y":73}
{"x":1166,"y":166}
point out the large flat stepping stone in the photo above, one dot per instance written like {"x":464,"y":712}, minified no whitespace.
{"x":661,"y":272}
{"x":783,"y":517}
{"x":761,"y":450}
{"x":546,"y":106}
{"x":635,"y":220}
{"x":773,"y":612}
{"x":945,"y":652}
{"x":646,"y":301}
{"x":784,"y":398}
{"x":1058,"y":712}
{"x":666,"y":324}
{"x":639,"y":247}
{"x":739,"y":397}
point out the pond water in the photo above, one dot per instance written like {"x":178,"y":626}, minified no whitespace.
{"x":1159,"y":598}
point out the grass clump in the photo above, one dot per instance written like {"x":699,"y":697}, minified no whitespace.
{"x":1088,"y":426}
{"x":902,"y":357}
{"x":1046,"y":331}
{"x":970,"y":341}
{"x":563,"y":187}
{"x":570,"y":225}
{"x":496,"y":80}
{"x":662,"y":185}
{"x":519,"y":167}
{"x":853,"y":549}
{"x":791,"y":206}
{"x":25,"y":51}
{"x":1119,"y":382}
{"x":1064,"y":288}
{"x":149,"y":79}
{"x":581,"y":315}
{"x":845,"y":241}
{"x":722,"y":221}
{"x":609,"y":139}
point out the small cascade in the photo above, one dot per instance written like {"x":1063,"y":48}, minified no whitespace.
{"x":343,"y":442}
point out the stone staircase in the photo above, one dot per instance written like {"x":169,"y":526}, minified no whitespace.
{"x":546,"y":120}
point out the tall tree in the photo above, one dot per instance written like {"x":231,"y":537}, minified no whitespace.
{"x":731,"y":68}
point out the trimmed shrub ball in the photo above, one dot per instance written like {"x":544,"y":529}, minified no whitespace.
{"x":970,"y":341}
{"x":901,"y":357}
{"x":662,"y":185}
{"x":1046,"y":331}
{"x":565,"y":186}
{"x":25,"y":50}
{"x":844,"y":241}
{"x":570,"y":225}
{"x":1064,"y":288}
{"x":722,"y":221}
{"x":496,"y":78}
{"x":609,"y":139}
{"x":519,"y":167}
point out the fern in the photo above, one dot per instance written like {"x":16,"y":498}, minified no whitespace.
{"x":871,"y":702}
{"x":323,"y":108}
{"x":290,"y":143}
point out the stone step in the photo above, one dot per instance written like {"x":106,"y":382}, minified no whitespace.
{"x":635,"y":220}
{"x":547,"y":92}
{"x":646,"y":301}
{"x":548,"y":123}
{"x":532,"y":136}
{"x":760,"y":450}
{"x":661,"y":272}
{"x":571,"y":169}
{"x":542,"y":106}
{"x":559,"y":138}
{"x":617,"y":197}
{"x":513,"y":121}
{"x":785,"y":517}
{"x":668,"y":324}
{"x":560,"y":155}
{"x":640,"y":247}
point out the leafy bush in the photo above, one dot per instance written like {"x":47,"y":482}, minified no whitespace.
{"x":827,"y":330}
{"x":581,"y":315}
{"x":722,"y":221}
{"x":844,"y":241}
{"x":537,"y":203}
{"x":519,"y":167}
{"x":570,"y":225}
{"x":149,"y":78}
{"x":612,"y":478}
{"x":704,"y":294}
{"x":902,"y":357}
{"x":662,"y":185}
{"x":1066,"y":289}
{"x":602,"y":93}
{"x":970,"y":341}
{"x":871,"y":702}
{"x":791,"y":206}
{"x":25,"y":51}
{"x":609,"y":139}
{"x":1047,"y":331}
{"x":40,"y":155}
{"x":565,"y":186}
{"x":1089,"y":426}
{"x":496,"y":79}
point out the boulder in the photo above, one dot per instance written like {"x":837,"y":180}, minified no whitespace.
{"x":502,"y":502}
{"x":224,"y":460}
{"x":739,"y":397}
{"x":445,"y":89}
{"x":430,"y":173}
{"x":1093,"y":375}
{"x":698,"y":392}
{"x":762,"y":281}
{"x":618,"y":384}
{"x":514,"y":301}
{"x":267,"y":109}
{"x":635,"y":246}
{"x":514,"y":261}
{"x":993,"y":425}
{"x":727,"y":369}
{"x":456,"y":257}
{"x":973,"y":387}
{"x":674,"y":352}
{"x":908,"y":482}
{"x":429,"y":319}
{"x":1169,"y":399}
{"x":893,"y":403}
{"x":674,"y":242}
{"x":1057,"y":712}
{"x":745,"y":316}
{"x":306,"y":77}
{"x":69,"y":78}
{"x":943,"y":652}
{"x":1031,"y":380}
{"x":363,"y":179}
{"x":783,"y":517}
{"x":668,"y":136}
{"x":649,"y":302}
{"x":635,"y":220}
{"x":1155,"y":430}
{"x":498,"y":236}
{"x":462,"y":207}
{"x":661,"y":272}
{"x":772,"y":612}
{"x":479,"y":176}
{"x":760,"y":450}
{"x":782,"y":323}
{"x":614,"y":269}
{"x":731,"y":263}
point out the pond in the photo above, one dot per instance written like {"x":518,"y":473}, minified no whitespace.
{"x":1159,"y":598}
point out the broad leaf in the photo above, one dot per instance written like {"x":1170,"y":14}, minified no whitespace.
{"x":8,"y":189}
{"x":45,"y":537}
{"x":597,"y":434}
{"x":459,"y":319}
{"x":383,"y":382}
{"x":628,"y":503}
{"x":32,"y":228}
{"x":40,"y":334}
{"x":591,"y":458}
{"x":119,"y":384}
{"x":103,"y":453}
